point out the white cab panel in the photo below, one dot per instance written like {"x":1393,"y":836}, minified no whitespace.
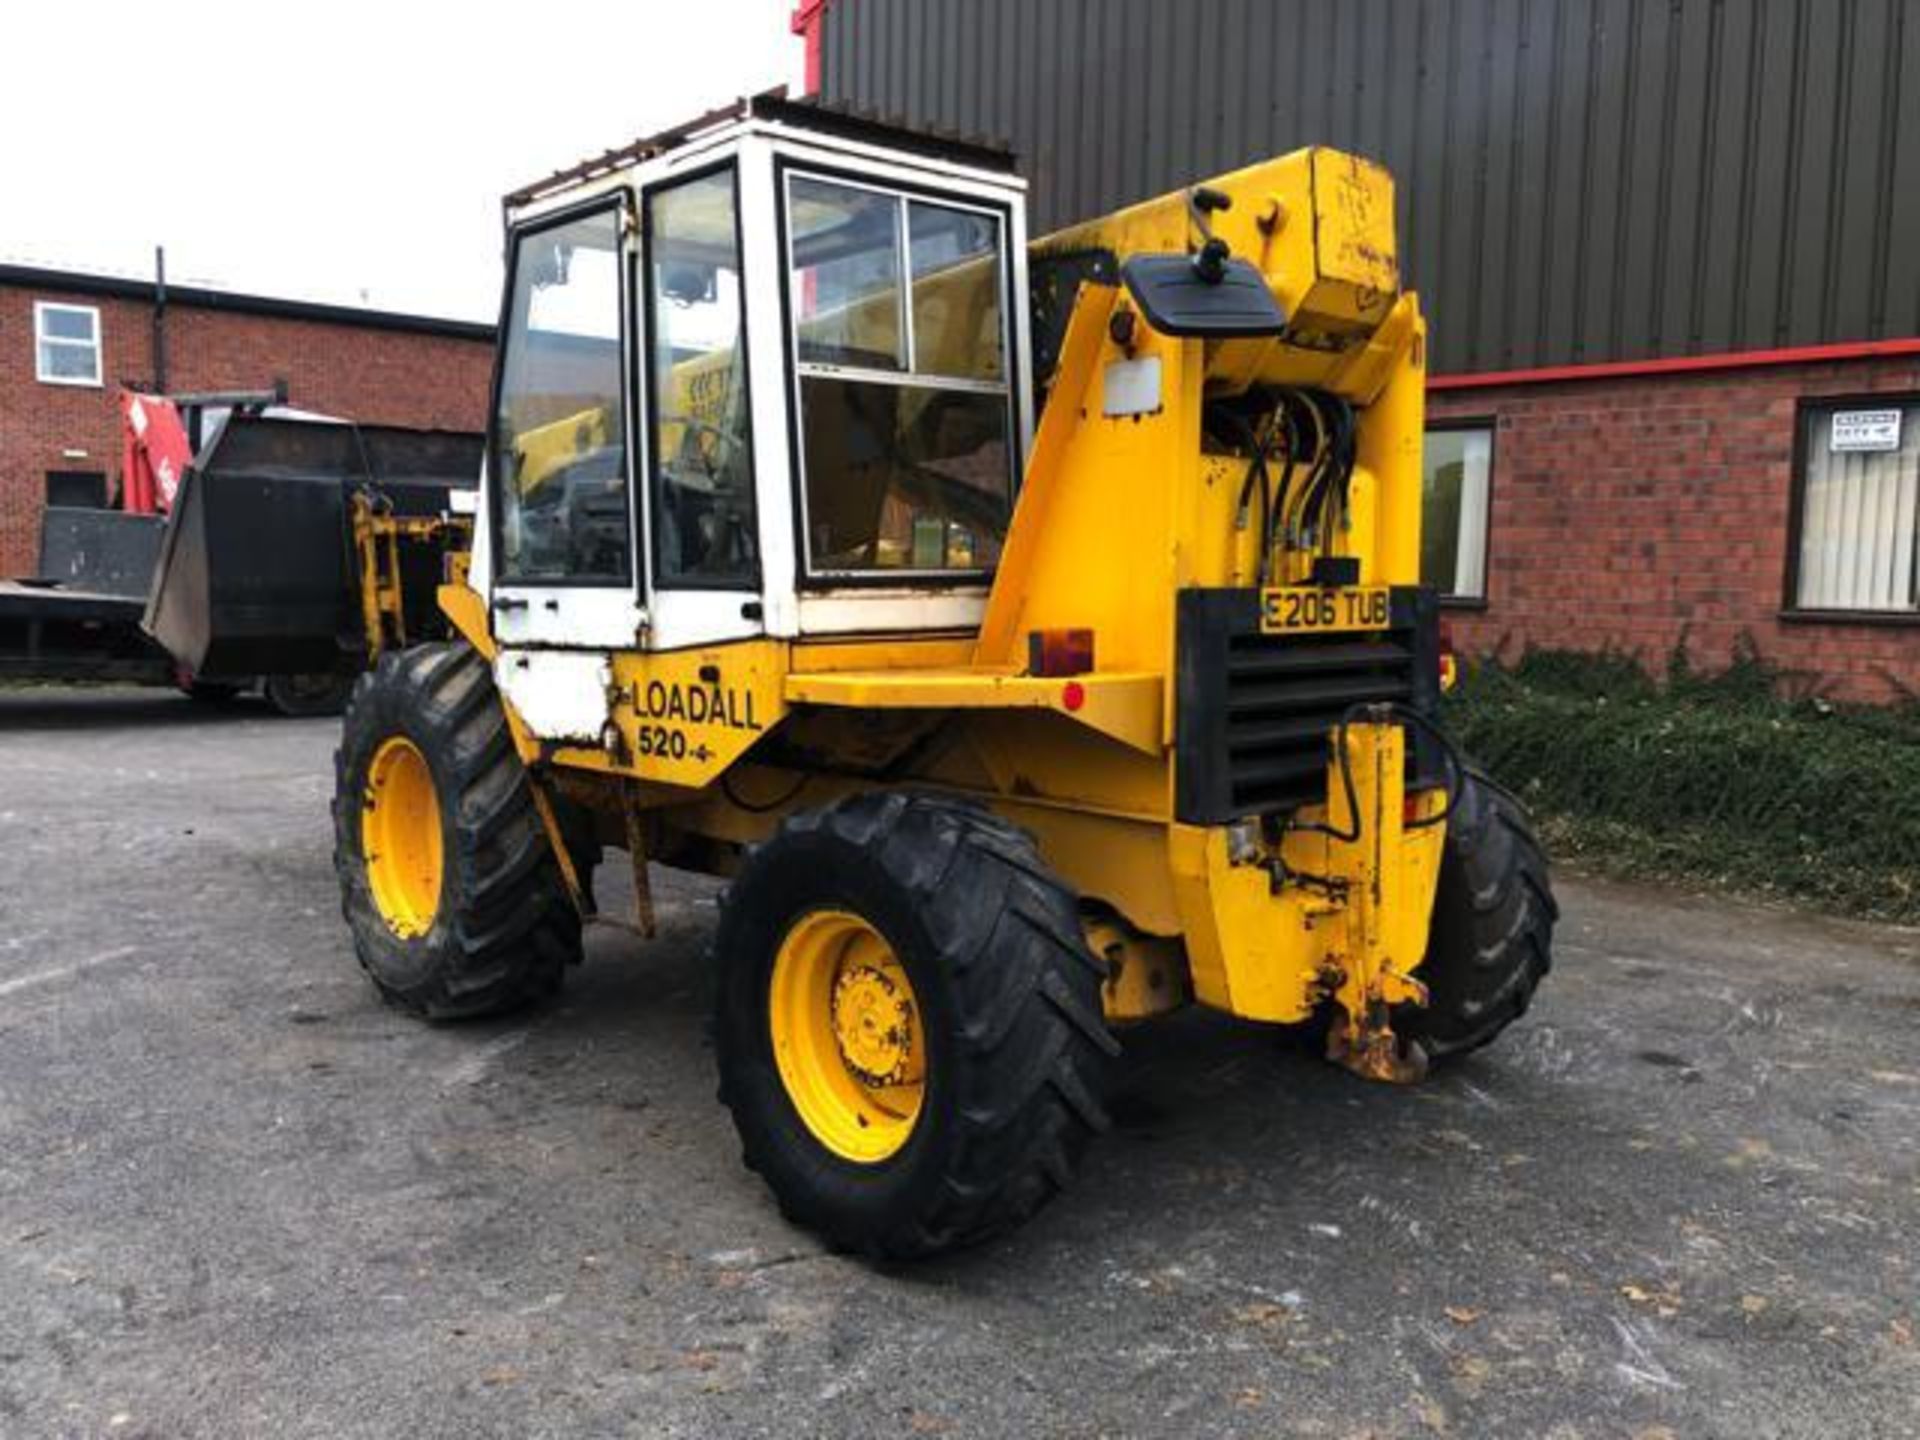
{"x":559,"y":694}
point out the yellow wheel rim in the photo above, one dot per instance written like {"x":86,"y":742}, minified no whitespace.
{"x":400,"y":835}
{"x":847,"y":1036}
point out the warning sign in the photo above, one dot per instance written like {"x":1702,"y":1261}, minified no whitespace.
{"x":1855,"y":431}
{"x":686,"y":715}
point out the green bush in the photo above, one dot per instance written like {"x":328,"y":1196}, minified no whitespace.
{"x":1707,"y":778}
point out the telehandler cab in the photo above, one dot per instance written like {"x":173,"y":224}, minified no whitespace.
{"x":1030,"y":634}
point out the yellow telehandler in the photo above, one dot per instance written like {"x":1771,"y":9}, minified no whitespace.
{"x":1030,"y":634}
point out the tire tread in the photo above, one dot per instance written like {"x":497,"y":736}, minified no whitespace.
{"x":508,"y":928}
{"x":1492,"y":936}
{"x":1031,"y":1066}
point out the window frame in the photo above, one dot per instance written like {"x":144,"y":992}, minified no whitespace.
{"x":1491,"y":424}
{"x":41,"y":338}
{"x":620,"y":202}
{"x":785,"y":169}
{"x":1791,"y":610}
{"x":745,"y":584}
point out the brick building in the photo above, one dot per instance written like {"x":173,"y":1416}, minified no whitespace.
{"x":1652,"y":508}
{"x":68,"y":342}
{"x":1669,"y":251}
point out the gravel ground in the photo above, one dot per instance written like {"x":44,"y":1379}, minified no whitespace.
{"x":238,"y":1197}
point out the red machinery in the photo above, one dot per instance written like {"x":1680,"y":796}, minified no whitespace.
{"x":154,"y":453}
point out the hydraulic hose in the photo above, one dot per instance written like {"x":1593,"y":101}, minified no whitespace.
{"x":1378,"y":709}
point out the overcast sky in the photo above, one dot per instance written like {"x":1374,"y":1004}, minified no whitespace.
{"x":353,"y":152}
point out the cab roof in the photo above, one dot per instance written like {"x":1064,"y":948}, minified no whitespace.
{"x":814,"y":115}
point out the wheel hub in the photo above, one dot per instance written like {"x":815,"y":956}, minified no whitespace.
{"x":400,"y":833}
{"x":872,"y":1024}
{"x":847,"y":1035}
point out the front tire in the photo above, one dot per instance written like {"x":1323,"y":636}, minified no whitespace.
{"x":447,"y":879}
{"x":1491,"y":939}
{"x":909,"y":1024}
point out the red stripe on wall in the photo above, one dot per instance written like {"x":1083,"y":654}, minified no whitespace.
{"x":1679,"y":364}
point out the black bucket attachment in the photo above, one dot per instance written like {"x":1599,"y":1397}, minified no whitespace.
{"x":257,"y":572}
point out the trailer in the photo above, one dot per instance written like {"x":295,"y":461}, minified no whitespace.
{"x":78,"y":617}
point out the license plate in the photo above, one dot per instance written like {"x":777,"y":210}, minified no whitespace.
{"x":1307,"y":609}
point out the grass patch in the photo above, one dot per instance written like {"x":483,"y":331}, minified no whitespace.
{"x":1713,"y":779}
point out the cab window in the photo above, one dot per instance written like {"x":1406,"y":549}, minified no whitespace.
{"x":559,"y":428}
{"x":900,"y":347}
{"x":701,"y":437}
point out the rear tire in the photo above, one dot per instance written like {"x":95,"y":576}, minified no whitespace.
{"x":992,"y":984}
{"x":480,"y":921}
{"x":303,"y":696}
{"x":211,"y":692}
{"x":1491,"y":939}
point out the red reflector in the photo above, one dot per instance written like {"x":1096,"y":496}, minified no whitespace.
{"x":1415,"y":803}
{"x":1059,"y":652}
{"x":1073,"y":695}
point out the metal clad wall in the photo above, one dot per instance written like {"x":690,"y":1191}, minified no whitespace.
{"x":1579,"y":180}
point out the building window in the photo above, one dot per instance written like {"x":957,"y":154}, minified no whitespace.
{"x":66,"y":343}
{"x":77,"y":489}
{"x":1859,"y":493}
{"x":1453,"y":522}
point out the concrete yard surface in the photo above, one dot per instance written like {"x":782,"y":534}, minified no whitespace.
{"x":240,"y":1197}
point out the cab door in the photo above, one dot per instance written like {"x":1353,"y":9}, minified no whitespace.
{"x":562,"y":537}
{"x":704,"y":475}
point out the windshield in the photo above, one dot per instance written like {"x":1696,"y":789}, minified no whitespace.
{"x":559,"y":429}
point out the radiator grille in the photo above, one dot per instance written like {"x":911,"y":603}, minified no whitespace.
{"x":1256,"y":710}
{"x":1284,"y":698}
